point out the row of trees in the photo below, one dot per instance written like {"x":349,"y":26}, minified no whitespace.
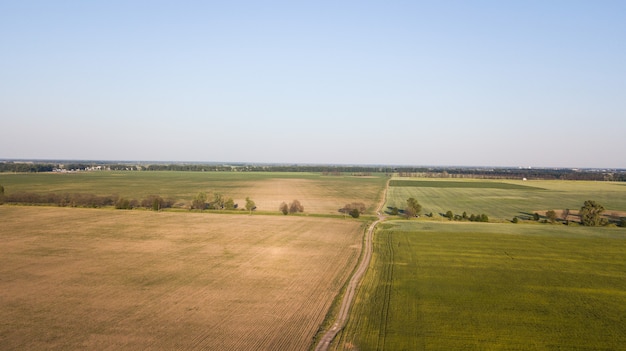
{"x":412,"y":209}
{"x":294,"y":207}
{"x":355,"y":209}
{"x":87,"y":200}
{"x":464,"y":217}
{"x":220,"y":202}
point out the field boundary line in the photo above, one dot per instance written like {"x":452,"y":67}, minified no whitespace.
{"x":346,"y":303}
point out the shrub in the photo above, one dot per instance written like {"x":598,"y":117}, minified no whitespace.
{"x":355,"y":213}
{"x":284,"y":208}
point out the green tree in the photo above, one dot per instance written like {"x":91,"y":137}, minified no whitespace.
{"x":284,"y":208}
{"x":413,"y":208}
{"x":394,"y":211}
{"x":1,"y":190}
{"x":551,"y":216}
{"x":229,"y":204}
{"x":355,"y":213}
{"x":218,"y":201}
{"x":123,"y":204}
{"x":515,"y":220}
{"x":157,"y":203}
{"x":250,"y":205}
{"x":591,"y":214}
{"x":449,"y":215}
{"x":536,"y":216}
{"x":199,"y":202}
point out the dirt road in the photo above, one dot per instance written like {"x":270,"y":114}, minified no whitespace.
{"x":354,"y":281}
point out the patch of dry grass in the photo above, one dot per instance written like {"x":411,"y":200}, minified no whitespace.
{"x":99,"y":279}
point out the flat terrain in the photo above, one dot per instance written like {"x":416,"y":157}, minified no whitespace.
{"x":472,"y":286}
{"x":317,"y":193}
{"x":126,"y":280}
{"x":503,"y":199}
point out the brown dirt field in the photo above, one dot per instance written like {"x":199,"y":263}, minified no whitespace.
{"x":317,"y":196}
{"x":126,"y":280}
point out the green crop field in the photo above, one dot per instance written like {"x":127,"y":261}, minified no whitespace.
{"x":504,"y":199}
{"x":460,"y":184}
{"x":318,"y":193}
{"x":471,"y":286}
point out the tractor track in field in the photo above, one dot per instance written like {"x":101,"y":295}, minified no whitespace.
{"x":346,"y":303}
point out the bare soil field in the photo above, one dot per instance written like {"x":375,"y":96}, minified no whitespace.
{"x":126,"y":280}
{"x":318,"y":194}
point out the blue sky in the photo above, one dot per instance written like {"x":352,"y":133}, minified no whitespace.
{"x":474,"y":83}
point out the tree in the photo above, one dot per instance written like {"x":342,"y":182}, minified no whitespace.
{"x":348,"y":208}
{"x":157,"y":203}
{"x":284,"y":208}
{"x":296,"y":206}
{"x":536,"y":216}
{"x":515,"y":220}
{"x":355,"y":213}
{"x":591,"y":214}
{"x":409,"y":212}
{"x":250,"y":205}
{"x":551,"y":216}
{"x":199,"y":202}
{"x":218,"y":201}
{"x":413,"y":208}
{"x":229,"y":204}
{"x":394,"y":211}
{"x":123,"y":204}
{"x":449,"y":215}
{"x":1,"y":190}
{"x":565,"y":216}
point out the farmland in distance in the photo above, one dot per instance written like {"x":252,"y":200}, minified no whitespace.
{"x":318,"y":194}
{"x":501,"y":200}
{"x":126,"y":280}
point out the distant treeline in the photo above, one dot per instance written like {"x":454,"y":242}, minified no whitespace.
{"x":334,"y":170}
{"x":86,"y":200}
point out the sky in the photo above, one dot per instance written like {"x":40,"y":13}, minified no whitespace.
{"x":442,"y":83}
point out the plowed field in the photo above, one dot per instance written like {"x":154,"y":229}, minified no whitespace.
{"x":126,"y":280}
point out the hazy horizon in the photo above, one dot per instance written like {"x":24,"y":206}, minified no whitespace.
{"x":476,"y":84}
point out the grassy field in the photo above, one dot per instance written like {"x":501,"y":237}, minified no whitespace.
{"x":94,"y":279}
{"x":471,"y":286}
{"x":317,"y":193}
{"x":504,"y":199}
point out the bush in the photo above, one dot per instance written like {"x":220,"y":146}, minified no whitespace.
{"x":355,"y":213}
{"x":295,"y":207}
{"x":123,"y":204}
{"x":284,"y":208}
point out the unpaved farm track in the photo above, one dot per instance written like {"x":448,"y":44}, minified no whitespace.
{"x":340,"y":322}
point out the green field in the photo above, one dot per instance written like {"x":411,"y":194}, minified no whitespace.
{"x":504,"y":199}
{"x":470,"y":286}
